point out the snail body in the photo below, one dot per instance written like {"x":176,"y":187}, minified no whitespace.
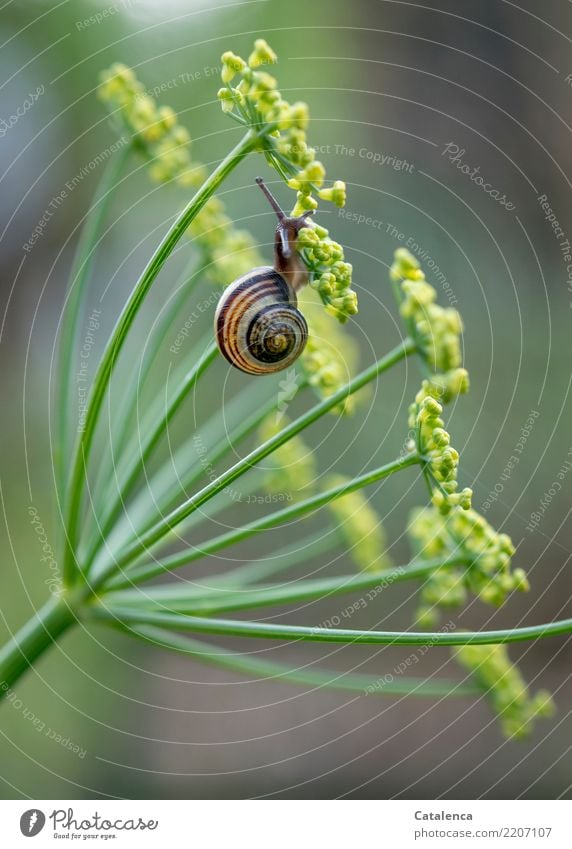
{"x":258,"y":326}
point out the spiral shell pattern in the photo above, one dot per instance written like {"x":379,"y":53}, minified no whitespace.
{"x":258,"y":327}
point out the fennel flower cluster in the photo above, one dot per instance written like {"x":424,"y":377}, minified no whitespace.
{"x":440,"y":460}
{"x":450,"y":528}
{"x":227,"y":251}
{"x":505,"y":689}
{"x":154,"y":129}
{"x":329,"y":274}
{"x":436,"y":329}
{"x":360,"y":527}
{"x":465,"y":534}
{"x":330,"y":356}
{"x":293,"y":465}
{"x":256,"y":102}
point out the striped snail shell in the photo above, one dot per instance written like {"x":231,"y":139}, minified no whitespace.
{"x":258,"y":327}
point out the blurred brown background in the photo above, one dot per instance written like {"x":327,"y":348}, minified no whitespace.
{"x":384,"y":79}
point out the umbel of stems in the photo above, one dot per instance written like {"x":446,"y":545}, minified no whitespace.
{"x":101,"y":579}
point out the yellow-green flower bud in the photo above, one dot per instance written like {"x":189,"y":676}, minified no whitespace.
{"x":226,"y":99}
{"x":336,"y":194}
{"x":405,"y":266}
{"x":300,"y":115}
{"x":304,"y":203}
{"x":231,"y":66}
{"x":262,"y":54}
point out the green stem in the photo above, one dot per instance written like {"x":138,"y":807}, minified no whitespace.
{"x":148,"y":539}
{"x":82,"y":265}
{"x":127,"y":411}
{"x":38,"y":634}
{"x":325,"y":540}
{"x":288,"y":514}
{"x":294,"y":554}
{"x":178,"y":602}
{"x":249,"y":423}
{"x":236,"y":628}
{"x":350,"y":682}
{"x":143,"y":516}
{"x":117,"y":339}
{"x":150,"y":441}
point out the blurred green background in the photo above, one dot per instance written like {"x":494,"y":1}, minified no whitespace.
{"x":383,"y":79}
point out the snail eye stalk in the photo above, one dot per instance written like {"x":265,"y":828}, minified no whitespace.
{"x":270,"y":198}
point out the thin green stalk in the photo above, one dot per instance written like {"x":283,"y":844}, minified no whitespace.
{"x":150,"y":440}
{"x":314,"y":677}
{"x":53,"y":620}
{"x":322,"y":542}
{"x":126,"y":414}
{"x":186,"y":284}
{"x":163,"y":527}
{"x":117,"y":339}
{"x":209,"y":512}
{"x":82,"y":265}
{"x":236,"y":628}
{"x":143,"y":513}
{"x":267,"y":596}
{"x":249,"y":488}
{"x":288,"y":514}
{"x":291,"y":555}
{"x":43,"y":629}
{"x":255,"y":414}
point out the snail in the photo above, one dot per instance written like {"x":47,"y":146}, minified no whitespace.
{"x":258,"y":327}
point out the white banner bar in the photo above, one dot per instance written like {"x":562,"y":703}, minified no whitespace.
{"x":289,"y":824}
